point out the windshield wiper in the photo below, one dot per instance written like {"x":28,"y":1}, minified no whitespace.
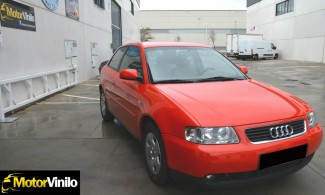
{"x":175,"y":81}
{"x":218,"y":78}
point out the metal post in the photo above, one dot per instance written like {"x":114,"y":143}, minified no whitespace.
{"x":2,"y":113}
{"x":235,"y":26}
{"x":3,"y":119}
{"x":206,"y":33}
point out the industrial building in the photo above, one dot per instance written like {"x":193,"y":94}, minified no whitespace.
{"x":194,"y":25}
{"x":296,"y":26}
{"x":49,"y":45}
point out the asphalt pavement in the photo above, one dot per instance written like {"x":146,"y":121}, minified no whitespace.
{"x":66,"y":132}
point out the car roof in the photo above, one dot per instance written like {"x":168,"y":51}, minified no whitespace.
{"x":171,"y":44}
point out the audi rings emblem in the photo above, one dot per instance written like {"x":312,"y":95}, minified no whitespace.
{"x":281,"y":131}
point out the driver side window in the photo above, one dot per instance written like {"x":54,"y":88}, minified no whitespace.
{"x":116,"y":60}
{"x":132,"y":60}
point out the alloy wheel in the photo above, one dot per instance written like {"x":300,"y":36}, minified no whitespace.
{"x":153,"y":153}
{"x":102,"y":103}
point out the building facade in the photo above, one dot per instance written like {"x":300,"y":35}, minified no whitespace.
{"x":194,"y":25}
{"x":296,"y":26}
{"x":48,"y":45}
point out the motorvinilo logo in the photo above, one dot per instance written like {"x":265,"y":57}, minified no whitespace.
{"x":40,"y":182}
{"x":7,"y":12}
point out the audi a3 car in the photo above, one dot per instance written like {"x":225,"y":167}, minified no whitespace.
{"x":198,"y":115}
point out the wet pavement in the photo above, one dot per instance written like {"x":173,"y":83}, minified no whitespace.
{"x":66,"y":132}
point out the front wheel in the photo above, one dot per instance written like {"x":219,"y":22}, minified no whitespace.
{"x":154,"y":154}
{"x":276,"y":56}
{"x":255,"y":57}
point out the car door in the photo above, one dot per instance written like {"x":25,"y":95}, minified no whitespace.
{"x":268,"y":51}
{"x":128,"y":92}
{"x":109,"y":77}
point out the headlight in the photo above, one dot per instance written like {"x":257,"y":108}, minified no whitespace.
{"x":217,"y":135}
{"x":312,"y":122}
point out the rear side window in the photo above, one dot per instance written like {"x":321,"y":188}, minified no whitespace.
{"x":132,"y":60}
{"x":116,"y":60}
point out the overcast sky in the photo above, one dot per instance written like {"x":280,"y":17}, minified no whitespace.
{"x":193,"y":4}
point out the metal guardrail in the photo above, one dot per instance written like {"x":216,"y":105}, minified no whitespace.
{"x":62,"y":80}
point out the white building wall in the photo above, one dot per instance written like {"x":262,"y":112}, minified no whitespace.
{"x":298,"y":35}
{"x":26,"y":52}
{"x":193,"y":26}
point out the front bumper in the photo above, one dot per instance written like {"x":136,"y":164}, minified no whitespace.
{"x":251,"y":177}
{"x":200,"y":160}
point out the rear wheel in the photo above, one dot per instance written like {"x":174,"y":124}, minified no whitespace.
{"x":106,"y":114}
{"x":255,"y":57}
{"x":276,"y":56}
{"x":154,"y":154}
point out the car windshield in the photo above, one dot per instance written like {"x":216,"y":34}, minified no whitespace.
{"x":189,"y":64}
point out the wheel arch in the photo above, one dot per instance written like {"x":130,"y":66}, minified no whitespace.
{"x":100,"y":87}
{"x":145,"y":120}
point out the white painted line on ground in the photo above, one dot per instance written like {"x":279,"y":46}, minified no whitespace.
{"x":82,"y":97}
{"x":57,"y":103}
{"x":91,"y":85}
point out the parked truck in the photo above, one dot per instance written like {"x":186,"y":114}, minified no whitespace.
{"x":233,"y":41}
{"x":257,"y":49}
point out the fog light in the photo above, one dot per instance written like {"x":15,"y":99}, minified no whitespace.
{"x":210,"y":177}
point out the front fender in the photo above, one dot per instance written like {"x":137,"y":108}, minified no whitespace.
{"x":170,"y":117}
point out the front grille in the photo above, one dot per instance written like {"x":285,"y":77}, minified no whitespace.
{"x":263,"y":134}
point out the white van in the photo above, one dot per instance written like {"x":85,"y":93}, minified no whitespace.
{"x":257,"y":49}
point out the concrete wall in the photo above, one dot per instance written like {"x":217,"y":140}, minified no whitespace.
{"x":193,"y":26}
{"x":27,"y":52}
{"x":299,"y":35}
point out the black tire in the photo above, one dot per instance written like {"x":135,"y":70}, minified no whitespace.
{"x":255,"y":57}
{"x":156,"y":162}
{"x":106,"y":114}
{"x":276,"y":56}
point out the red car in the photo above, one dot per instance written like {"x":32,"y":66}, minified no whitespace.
{"x":199,"y":115}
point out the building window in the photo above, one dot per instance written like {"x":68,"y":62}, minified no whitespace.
{"x":284,"y":7}
{"x":100,"y":3}
{"x":132,"y":7}
{"x":116,"y":26}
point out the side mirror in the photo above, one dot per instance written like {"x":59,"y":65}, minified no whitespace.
{"x":274,"y":48}
{"x":243,"y":69}
{"x":129,"y":74}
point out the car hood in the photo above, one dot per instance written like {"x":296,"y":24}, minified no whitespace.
{"x":232,"y":103}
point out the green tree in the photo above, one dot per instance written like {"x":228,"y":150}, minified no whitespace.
{"x":145,"y":34}
{"x":213,"y":38}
